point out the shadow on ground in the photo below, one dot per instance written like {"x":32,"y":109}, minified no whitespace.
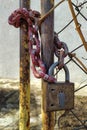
{"x":9,"y":111}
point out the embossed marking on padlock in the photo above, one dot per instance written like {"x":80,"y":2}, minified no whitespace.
{"x":61,"y":97}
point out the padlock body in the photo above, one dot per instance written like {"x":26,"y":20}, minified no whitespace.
{"x":59,"y":96}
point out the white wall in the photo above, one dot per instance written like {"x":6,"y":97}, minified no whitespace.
{"x":9,"y":41}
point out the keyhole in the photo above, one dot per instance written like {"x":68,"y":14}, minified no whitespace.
{"x":52,"y":105}
{"x":52,"y":89}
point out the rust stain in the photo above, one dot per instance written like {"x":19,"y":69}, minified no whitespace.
{"x":46,"y":38}
{"x":28,"y":120}
{"x":24,"y":106}
{"x":78,"y":27}
{"x":52,"y":2}
{"x":24,"y":123}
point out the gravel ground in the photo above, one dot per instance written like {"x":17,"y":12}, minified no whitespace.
{"x":9,"y":108}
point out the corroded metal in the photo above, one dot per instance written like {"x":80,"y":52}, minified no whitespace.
{"x":47,"y":36}
{"x":59,"y":96}
{"x":78,"y":26}
{"x":25,"y":4}
{"x":24,"y":106}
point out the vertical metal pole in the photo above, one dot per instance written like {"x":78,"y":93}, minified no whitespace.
{"x":47,"y":35}
{"x":24,"y":105}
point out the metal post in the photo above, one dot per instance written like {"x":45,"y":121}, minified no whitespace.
{"x":24,"y":105}
{"x":47,"y":34}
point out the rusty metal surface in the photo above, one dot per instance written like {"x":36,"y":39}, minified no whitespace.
{"x":24,"y":106}
{"x":25,"y":4}
{"x":47,"y":34}
{"x":52,"y":96}
{"x":48,"y":118}
{"x":24,"y":81}
{"x":78,"y":26}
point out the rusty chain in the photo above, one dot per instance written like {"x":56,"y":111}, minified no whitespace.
{"x":31,"y":17}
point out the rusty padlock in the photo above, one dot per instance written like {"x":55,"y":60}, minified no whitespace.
{"x":60,"y":95}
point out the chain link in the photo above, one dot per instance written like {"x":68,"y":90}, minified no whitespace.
{"x":32,"y":19}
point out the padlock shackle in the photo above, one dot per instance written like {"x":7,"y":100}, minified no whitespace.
{"x":67,"y":76}
{"x":51,"y":71}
